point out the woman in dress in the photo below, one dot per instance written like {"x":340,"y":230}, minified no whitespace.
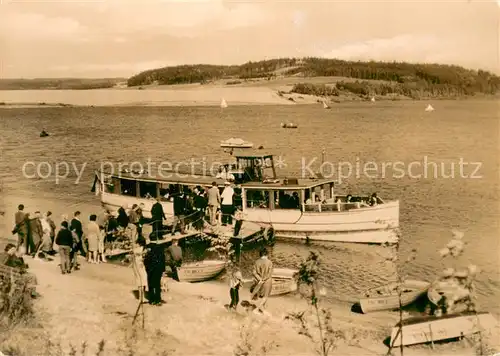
{"x":138,"y":266}
{"x":93,"y":233}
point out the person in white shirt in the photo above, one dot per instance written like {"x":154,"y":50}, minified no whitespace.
{"x":227,"y":204}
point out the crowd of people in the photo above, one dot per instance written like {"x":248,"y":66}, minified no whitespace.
{"x":39,"y":237}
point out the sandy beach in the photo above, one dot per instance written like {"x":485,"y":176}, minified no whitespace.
{"x":97,"y":303}
{"x":255,"y":92}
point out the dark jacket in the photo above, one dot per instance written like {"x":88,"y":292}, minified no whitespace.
{"x":157,"y":211}
{"x":52,"y":227}
{"x":122,"y":218}
{"x":112,"y":225}
{"x":180,"y":204}
{"x":76,"y":226}
{"x":36,"y":231}
{"x":154,"y":261}
{"x":200,"y":202}
{"x":64,"y":238}
{"x":21,"y":223}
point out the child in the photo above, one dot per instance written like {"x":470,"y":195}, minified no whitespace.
{"x":235,"y":282}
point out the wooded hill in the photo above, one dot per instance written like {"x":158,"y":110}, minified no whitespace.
{"x":396,"y":77}
{"x":59,"y":83}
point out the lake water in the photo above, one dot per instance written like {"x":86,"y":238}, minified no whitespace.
{"x":381,"y":132}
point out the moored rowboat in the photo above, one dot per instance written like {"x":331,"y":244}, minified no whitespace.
{"x":386,"y":297}
{"x":283,"y":286}
{"x":419,"y":330}
{"x":283,"y":281}
{"x":200,"y":271}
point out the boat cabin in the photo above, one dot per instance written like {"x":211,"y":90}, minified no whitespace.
{"x":307,"y":195}
{"x":256,"y":181}
{"x":135,"y":185}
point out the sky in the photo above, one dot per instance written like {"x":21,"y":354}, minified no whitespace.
{"x":119,"y":38}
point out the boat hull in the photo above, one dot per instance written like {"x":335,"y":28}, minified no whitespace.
{"x":200,"y":271}
{"x":421,"y":330}
{"x":391,"y":302}
{"x":363,"y":225}
{"x":282,"y":286}
{"x":113,"y":202}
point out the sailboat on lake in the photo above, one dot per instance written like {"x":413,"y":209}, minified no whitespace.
{"x":223,"y":104}
{"x":372,"y":99}
{"x":325,"y":105}
{"x":429,"y":108}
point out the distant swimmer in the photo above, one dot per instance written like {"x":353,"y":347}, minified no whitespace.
{"x":44,"y":133}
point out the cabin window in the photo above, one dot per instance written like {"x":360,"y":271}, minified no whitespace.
{"x":147,"y":190}
{"x":257,"y":199}
{"x":287,"y":199}
{"x":321,"y":198}
{"x":128,"y":187}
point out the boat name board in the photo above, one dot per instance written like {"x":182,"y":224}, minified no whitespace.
{"x":194,"y":270}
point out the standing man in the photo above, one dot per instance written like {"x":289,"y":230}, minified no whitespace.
{"x":213,"y":202}
{"x":227,"y":204}
{"x":200,"y":204}
{"x":64,"y":240}
{"x":21,"y":227}
{"x":180,"y":205}
{"x":77,"y":228}
{"x":52,"y":229}
{"x":262,"y":284}
{"x":154,"y":262}
{"x":174,"y":257}
{"x":157,"y":216}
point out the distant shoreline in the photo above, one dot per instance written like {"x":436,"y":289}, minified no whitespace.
{"x":255,"y":92}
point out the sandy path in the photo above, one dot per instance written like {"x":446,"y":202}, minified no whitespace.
{"x":97,"y":303}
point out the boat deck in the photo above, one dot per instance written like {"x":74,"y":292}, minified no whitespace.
{"x":248,"y":230}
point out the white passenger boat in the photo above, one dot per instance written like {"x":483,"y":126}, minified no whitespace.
{"x":294,"y":208}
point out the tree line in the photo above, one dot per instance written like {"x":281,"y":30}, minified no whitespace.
{"x":398,"y":77}
{"x":63,"y":83}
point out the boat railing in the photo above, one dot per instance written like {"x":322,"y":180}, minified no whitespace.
{"x":310,"y":207}
{"x":329,"y":207}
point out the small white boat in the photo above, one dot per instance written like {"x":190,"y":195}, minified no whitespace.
{"x":200,"y":271}
{"x":236,"y":143}
{"x":386,"y":297}
{"x":223,"y":103}
{"x":372,"y":99}
{"x":325,"y":105}
{"x":283,"y":281}
{"x":289,"y":125}
{"x":429,"y":108}
{"x":420,"y":330}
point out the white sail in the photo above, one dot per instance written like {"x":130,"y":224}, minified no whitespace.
{"x":429,"y":108}
{"x":223,"y":103}
{"x":325,"y":105}
{"x":373,"y":99}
